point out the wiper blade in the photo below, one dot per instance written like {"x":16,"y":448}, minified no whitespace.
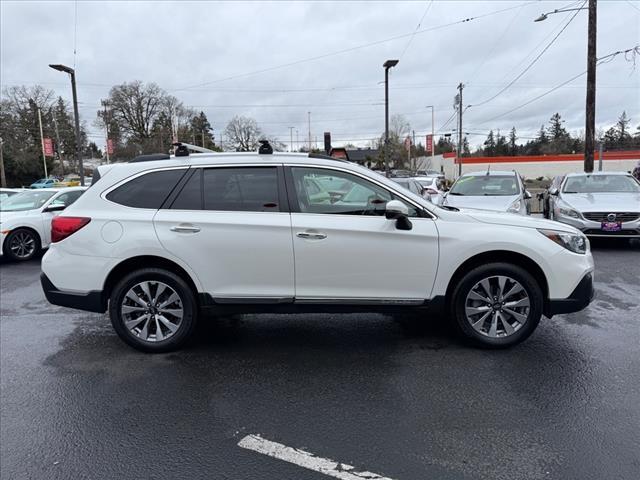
{"x":456,"y":193}
{"x":569,"y":192}
{"x":450,"y":208}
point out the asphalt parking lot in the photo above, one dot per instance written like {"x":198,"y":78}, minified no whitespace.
{"x":384,"y":394}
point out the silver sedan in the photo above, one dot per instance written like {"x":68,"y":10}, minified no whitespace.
{"x":602,"y":204}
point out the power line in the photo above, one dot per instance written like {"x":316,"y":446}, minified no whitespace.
{"x":631,"y":3}
{"x":532,"y":62}
{"x":350,"y":49}
{"x":601,"y":60}
{"x":417,"y":28}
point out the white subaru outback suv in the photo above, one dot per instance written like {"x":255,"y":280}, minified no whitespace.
{"x":159,"y":243}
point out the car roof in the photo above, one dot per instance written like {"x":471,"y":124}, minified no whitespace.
{"x":584,"y":174}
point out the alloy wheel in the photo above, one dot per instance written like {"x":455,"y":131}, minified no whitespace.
{"x":22,"y":245}
{"x":497,"y":306}
{"x":152,"y":311}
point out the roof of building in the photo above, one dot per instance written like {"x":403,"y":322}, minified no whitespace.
{"x":362,"y":154}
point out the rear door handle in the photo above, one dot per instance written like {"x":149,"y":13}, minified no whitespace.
{"x":182,"y":228}
{"x":311,"y":235}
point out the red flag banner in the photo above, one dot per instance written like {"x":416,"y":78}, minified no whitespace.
{"x":48,"y":147}
{"x":429,"y":143}
{"x":110,"y":146}
{"x":407,"y":143}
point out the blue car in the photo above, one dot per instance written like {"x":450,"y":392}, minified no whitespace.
{"x":44,"y":183}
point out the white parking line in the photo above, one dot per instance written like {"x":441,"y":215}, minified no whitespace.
{"x":305,"y":459}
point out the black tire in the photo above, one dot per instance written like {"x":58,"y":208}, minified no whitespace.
{"x":472,"y":278}
{"x":188,"y":303}
{"x":24,"y":236}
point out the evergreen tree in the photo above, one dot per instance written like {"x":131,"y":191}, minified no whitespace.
{"x":490,"y":145}
{"x":202,"y":131}
{"x":502,"y":147}
{"x":513,"y":147}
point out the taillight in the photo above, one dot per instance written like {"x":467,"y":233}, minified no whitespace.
{"x":62,"y":227}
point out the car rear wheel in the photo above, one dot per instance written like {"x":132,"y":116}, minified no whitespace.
{"x":153,"y":310}
{"x":497,"y":305}
{"x":22,"y":244}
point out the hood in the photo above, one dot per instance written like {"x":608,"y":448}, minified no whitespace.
{"x":515,"y":220}
{"x":603,"y":202}
{"x":498,"y":203}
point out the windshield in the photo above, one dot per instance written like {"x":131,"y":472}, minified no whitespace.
{"x":601,"y":184}
{"x":485,"y":185}
{"x":25,"y":201}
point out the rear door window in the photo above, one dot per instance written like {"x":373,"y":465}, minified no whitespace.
{"x":246,"y":189}
{"x":147,"y":191}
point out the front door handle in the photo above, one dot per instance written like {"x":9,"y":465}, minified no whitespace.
{"x":311,"y":235}
{"x":182,"y":228}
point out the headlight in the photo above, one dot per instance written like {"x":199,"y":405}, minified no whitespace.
{"x":564,"y":209}
{"x":514,"y":207}
{"x":575,"y":242}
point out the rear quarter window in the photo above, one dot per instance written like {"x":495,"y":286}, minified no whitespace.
{"x":147,"y":191}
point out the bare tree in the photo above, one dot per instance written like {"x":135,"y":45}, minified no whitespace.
{"x":243,"y":133}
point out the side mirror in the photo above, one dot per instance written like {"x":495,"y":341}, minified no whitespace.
{"x":527,"y":195}
{"x":553,"y":191}
{"x":398,"y":211}
{"x":55,"y":208}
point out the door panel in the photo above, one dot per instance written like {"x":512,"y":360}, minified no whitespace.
{"x":231,"y":225}
{"x":345,"y":248}
{"x":364,"y":257}
{"x":244,"y":254}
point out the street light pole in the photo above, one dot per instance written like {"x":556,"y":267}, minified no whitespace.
{"x":387,"y":65}
{"x":590,"y":117}
{"x":590,"y":108}
{"x":72,"y":73}
{"x":291,"y":139}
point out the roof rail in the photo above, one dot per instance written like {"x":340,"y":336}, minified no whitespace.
{"x":327,"y":157}
{"x":195,"y":148}
{"x":150,"y":157}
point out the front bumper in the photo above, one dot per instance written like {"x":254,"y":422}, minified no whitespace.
{"x":594,"y":229}
{"x":92,"y":301}
{"x":578,"y":300}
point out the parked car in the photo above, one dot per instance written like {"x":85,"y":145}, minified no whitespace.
{"x":636,"y":171}
{"x":411,"y":184}
{"x":160,"y":243}
{"x":25,"y":220}
{"x":68,"y":181}
{"x":547,"y":198}
{"x":44,"y":183}
{"x":600,"y":204}
{"x":9,"y":192}
{"x":500,"y":191}
{"x":434,"y":188}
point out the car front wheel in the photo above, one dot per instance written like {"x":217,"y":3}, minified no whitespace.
{"x":497,"y":305}
{"x":153,"y":310}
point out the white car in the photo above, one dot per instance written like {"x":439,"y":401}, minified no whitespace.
{"x":25,"y":219}
{"x":157,"y":243}
{"x":499,"y":191}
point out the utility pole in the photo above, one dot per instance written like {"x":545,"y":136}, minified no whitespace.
{"x":291,"y":139}
{"x":44,"y":158}
{"x":3,"y":178}
{"x":459,"y":153}
{"x":415,"y":159}
{"x":55,"y":125}
{"x":297,"y":139}
{"x":600,"y":156}
{"x":106,"y":129}
{"x":203,"y":139}
{"x":590,"y":128}
{"x":309,"y":113}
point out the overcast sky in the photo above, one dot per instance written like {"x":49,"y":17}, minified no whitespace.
{"x":276,"y":61}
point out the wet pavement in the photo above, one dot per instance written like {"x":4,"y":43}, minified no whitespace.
{"x":386,"y":394}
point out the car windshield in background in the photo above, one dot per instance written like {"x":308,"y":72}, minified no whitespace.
{"x":485,"y":185}
{"x":25,"y":201}
{"x":601,"y":184}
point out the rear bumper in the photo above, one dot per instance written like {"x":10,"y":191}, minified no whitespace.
{"x":92,"y":301}
{"x":578,"y":300}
